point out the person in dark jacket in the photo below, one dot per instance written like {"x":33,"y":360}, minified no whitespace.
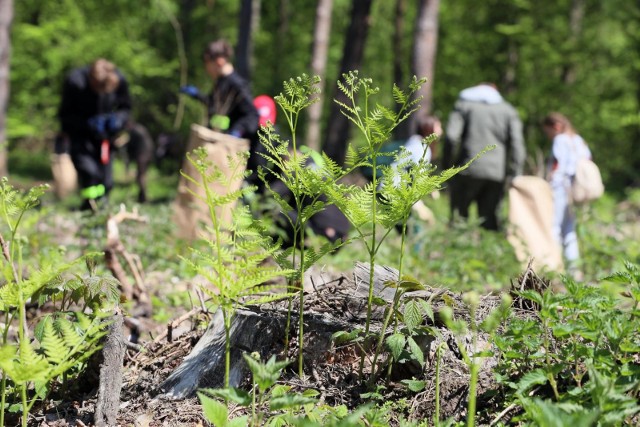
{"x":481,"y":117}
{"x":230,"y":105}
{"x":95,"y":107}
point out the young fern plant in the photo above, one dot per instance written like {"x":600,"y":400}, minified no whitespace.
{"x":402,"y":187}
{"x":374,"y":210}
{"x":64,"y":339}
{"x":306,"y":181}
{"x":234,"y":264}
{"x":362,"y":205}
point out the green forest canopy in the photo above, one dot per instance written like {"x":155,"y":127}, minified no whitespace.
{"x":580,"y":57}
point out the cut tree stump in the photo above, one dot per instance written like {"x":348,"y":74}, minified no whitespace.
{"x":204,"y":367}
{"x":339,"y":305}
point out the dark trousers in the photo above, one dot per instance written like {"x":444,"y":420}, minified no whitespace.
{"x":85,"y":155}
{"x":486,"y":193}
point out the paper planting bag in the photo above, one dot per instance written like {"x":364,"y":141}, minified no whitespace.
{"x":190,"y":213}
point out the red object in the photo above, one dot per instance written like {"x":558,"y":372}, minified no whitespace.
{"x":104,"y":152}
{"x":266,"y":107}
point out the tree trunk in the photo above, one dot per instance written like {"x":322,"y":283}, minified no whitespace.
{"x":576,"y":16}
{"x":6,"y":16}
{"x":338,"y":130}
{"x":279,"y":70}
{"x":425,"y":47}
{"x":249,"y":21}
{"x":318,"y":68}
{"x":403,"y":130}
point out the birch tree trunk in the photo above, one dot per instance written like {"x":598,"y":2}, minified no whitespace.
{"x":6,"y":16}
{"x":320,"y":48}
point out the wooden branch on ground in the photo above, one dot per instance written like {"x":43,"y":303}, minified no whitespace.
{"x":176,"y":322}
{"x":115,"y":249}
{"x":113,"y":351}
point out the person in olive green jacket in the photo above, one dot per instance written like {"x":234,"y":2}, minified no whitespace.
{"x":481,"y":117}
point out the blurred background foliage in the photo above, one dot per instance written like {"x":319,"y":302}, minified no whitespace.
{"x":580,"y":57}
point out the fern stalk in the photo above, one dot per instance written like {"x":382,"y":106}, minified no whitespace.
{"x":392,"y":309}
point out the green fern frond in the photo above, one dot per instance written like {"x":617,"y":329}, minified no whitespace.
{"x":311,"y":209}
{"x":283,"y":259}
{"x":68,"y":331}
{"x":9,"y":296}
{"x":52,"y":344}
{"x":28,"y":366}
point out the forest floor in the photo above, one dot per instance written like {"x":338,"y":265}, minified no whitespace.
{"x":333,"y":372}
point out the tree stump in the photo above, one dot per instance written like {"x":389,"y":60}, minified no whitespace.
{"x":340,"y":305}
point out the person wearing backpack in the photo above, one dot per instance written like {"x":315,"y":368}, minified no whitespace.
{"x":567,"y":149}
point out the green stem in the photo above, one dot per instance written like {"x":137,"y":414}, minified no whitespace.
{"x":372,"y":255}
{"x":253,"y":405}
{"x":436,"y":419}
{"x":473,"y":385}
{"x":301,"y":308}
{"x":3,"y":384}
{"x":288,"y":322}
{"x":396,"y":300}
{"x":3,"y":398}
{"x":227,"y":346}
{"x":25,"y":409}
{"x":550,"y":376}
{"x":474,"y":369}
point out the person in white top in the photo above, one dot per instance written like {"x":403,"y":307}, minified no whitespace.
{"x":567,"y":149}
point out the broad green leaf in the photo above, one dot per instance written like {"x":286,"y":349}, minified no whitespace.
{"x":416,"y":351}
{"x":415,"y":386}
{"x":215,"y":412}
{"x":242,"y":421}
{"x":530,"y":379}
{"x":289,"y":401}
{"x":395,"y":344}
{"x":239,"y":396}
{"x":412,"y":315}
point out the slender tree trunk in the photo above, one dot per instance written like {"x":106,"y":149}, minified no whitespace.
{"x":423,"y":59}
{"x":281,"y":41}
{"x":318,"y":67}
{"x":403,"y":131}
{"x":338,"y":133}
{"x":249,"y":21}
{"x":6,"y":16}
{"x":576,"y":16}
{"x":425,"y":48}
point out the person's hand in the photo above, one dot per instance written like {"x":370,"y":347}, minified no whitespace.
{"x":114,"y":123}
{"x":190,"y":90}
{"x":98,"y":125}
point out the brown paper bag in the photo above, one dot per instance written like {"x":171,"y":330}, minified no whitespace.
{"x":65,"y":177}
{"x":531,"y":218}
{"x":190,"y":212}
